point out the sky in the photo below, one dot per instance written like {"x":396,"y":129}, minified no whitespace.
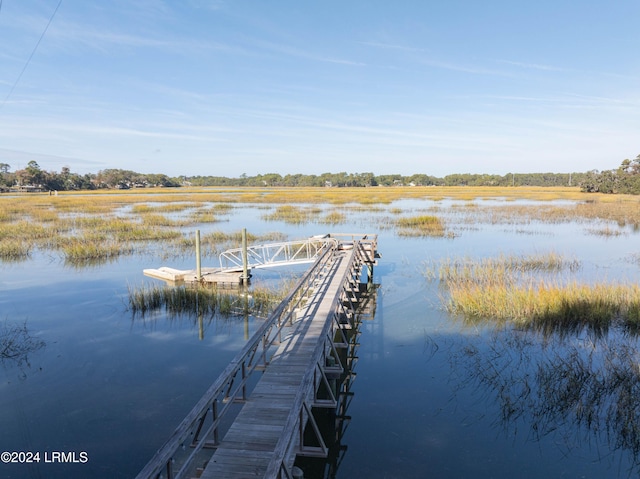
{"x":232,"y":87}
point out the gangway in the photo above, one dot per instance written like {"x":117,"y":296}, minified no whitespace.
{"x":276,"y":254}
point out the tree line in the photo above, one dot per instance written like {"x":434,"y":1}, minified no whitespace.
{"x":625,"y":179}
{"x":34,"y":177}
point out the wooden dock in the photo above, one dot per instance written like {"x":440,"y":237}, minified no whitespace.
{"x":296,"y":351}
{"x":250,"y":443}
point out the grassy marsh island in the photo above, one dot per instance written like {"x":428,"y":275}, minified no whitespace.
{"x":528,"y":292}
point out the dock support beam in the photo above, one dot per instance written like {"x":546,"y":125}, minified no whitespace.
{"x":198,"y":263}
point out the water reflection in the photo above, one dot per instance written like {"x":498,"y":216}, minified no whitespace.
{"x":334,"y":423}
{"x":580,"y":387}
{"x":16,"y":344}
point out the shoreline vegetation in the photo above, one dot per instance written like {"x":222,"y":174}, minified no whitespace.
{"x":624,"y":179}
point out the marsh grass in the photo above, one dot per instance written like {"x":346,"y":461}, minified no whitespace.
{"x":15,"y":250}
{"x":423,"y":225}
{"x":333,"y":218}
{"x":201,"y":300}
{"x":293,"y":214}
{"x":162,"y":221}
{"x":204,"y":216}
{"x":144,"y":208}
{"x":90,"y":250}
{"x":505,"y":290}
{"x":140,"y":216}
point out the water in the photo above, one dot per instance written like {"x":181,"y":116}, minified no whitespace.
{"x":115,"y":387}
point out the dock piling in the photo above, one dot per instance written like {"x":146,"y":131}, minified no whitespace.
{"x":198,"y":263}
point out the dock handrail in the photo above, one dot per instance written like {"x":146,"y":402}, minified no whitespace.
{"x":226,"y":388}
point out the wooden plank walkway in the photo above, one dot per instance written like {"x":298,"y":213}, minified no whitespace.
{"x":249,"y":445}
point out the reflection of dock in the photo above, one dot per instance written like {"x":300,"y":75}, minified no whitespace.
{"x":256,"y":425}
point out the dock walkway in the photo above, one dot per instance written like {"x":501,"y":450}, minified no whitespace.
{"x":255,"y":425}
{"x":250,"y":443}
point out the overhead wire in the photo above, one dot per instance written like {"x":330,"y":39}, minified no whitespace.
{"x":32,"y":52}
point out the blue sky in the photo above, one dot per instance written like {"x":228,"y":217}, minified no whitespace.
{"x":226,"y":87}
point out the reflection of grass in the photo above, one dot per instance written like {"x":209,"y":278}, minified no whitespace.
{"x":605,"y":231}
{"x":559,"y":388}
{"x":16,"y":343}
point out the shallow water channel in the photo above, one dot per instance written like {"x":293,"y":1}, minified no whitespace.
{"x":433,"y":397}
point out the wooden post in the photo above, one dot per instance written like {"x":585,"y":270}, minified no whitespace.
{"x":245,"y":259}
{"x":198,"y":266}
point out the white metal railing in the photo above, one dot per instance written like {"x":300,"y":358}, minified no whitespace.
{"x":276,"y":254}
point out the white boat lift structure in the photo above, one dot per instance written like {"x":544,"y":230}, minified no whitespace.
{"x":232,"y":261}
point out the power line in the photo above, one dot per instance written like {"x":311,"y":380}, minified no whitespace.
{"x":32,"y":53}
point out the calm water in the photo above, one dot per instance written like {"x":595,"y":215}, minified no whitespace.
{"x":425,"y":404}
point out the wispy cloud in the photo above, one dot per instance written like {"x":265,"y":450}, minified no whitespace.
{"x":305,"y":54}
{"x":19,"y":158}
{"x":390,"y":46}
{"x":458,"y":67}
{"x":104,"y":39}
{"x":533,"y":66}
